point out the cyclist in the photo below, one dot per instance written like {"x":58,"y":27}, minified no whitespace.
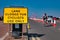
{"x":45,"y":17}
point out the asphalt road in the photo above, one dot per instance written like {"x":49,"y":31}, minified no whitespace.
{"x":44,"y":32}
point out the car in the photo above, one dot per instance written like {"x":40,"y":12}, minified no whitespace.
{"x":50,"y":19}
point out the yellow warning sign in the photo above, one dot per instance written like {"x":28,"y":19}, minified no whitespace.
{"x":15,"y":15}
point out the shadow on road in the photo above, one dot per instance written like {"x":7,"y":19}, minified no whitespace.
{"x":33,"y":35}
{"x":48,"y":25}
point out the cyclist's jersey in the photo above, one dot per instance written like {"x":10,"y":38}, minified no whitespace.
{"x":44,"y":17}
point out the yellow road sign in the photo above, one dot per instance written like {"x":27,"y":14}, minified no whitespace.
{"x":15,"y":15}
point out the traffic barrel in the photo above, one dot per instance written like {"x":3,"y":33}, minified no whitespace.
{"x":52,"y":21}
{"x":54,"y":24}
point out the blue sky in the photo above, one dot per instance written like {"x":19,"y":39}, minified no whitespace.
{"x":35,"y":7}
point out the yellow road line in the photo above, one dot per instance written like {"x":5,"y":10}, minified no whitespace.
{"x":33,"y":38}
{"x":38,"y":38}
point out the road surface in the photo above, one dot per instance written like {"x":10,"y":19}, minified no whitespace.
{"x":44,"y":32}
